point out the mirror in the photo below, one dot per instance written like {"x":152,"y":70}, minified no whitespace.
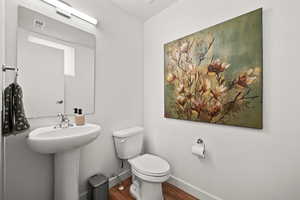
{"x":62,"y":59}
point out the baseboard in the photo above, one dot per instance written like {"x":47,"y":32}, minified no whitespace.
{"x":112,"y":182}
{"x":191,"y":189}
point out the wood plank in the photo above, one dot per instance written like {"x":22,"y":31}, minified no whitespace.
{"x":170,"y":192}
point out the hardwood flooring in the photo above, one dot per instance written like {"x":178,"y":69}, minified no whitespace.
{"x":170,"y":192}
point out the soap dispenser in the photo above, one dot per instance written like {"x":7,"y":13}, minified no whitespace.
{"x":75,"y":114}
{"x":79,"y":118}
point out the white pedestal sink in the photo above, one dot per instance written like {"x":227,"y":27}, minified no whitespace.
{"x":65,"y":143}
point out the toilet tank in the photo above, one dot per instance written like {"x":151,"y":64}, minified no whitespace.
{"x":128,"y":142}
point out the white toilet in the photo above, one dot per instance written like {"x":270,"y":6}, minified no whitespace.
{"x":148,"y":171}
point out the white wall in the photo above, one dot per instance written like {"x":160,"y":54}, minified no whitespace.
{"x":242,"y":164}
{"x":119,"y":101}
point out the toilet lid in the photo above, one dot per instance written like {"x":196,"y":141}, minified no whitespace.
{"x":150,"y":165}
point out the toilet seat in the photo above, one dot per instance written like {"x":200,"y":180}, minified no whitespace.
{"x":150,"y":166}
{"x":153,"y":179}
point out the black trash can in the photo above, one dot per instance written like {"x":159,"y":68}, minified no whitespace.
{"x":98,"y":187}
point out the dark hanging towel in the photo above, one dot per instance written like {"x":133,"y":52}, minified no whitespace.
{"x":14,"y":119}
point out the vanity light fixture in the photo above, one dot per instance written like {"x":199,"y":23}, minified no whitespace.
{"x":66,"y":10}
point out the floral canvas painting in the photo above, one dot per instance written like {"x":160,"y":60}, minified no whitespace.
{"x":215,"y":75}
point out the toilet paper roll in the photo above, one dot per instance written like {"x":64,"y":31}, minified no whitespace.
{"x":198,"y":150}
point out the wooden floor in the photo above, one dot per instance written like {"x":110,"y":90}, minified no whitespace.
{"x":170,"y":192}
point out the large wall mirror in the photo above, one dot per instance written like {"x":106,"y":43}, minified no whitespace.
{"x":57,"y":64}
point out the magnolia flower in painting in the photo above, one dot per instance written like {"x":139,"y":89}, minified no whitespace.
{"x":198,"y":105}
{"x":217,"y":67}
{"x":189,"y":95}
{"x":180,"y":88}
{"x":247,"y":78}
{"x":218,"y":91}
{"x":175,"y":54}
{"x":170,"y":77}
{"x":214,"y":108}
{"x":192,"y":72}
{"x":205,"y":86}
{"x":181,"y":100}
{"x":184,"y":47}
{"x":257,"y":71}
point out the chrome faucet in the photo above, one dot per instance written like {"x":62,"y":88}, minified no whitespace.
{"x":63,"y":121}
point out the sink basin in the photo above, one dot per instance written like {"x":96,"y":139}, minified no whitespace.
{"x":65,"y":144}
{"x":53,"y":140}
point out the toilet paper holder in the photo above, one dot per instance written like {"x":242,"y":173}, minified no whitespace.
{"x":200,"y":141}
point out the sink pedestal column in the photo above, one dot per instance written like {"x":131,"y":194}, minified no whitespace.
{"x":66,"y":177}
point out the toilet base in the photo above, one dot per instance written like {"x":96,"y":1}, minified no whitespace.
{"x":144,"y":190}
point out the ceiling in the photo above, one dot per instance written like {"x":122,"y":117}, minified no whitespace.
{"x":143,"y":9}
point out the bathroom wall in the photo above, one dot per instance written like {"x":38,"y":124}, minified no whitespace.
{"x":118,"y":101}
{"x":241,"y":163}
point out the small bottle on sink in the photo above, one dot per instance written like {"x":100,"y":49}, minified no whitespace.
{"x":79,"y":118}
